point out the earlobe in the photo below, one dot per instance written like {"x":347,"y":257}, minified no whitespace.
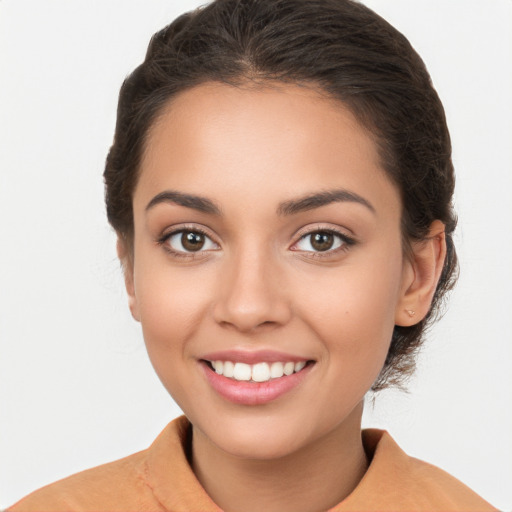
{"x":126,"y":260}
{"x":421,"y":276}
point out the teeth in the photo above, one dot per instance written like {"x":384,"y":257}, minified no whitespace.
{"x":276,"y":370}
{"x":229,"y":369}
{"x":242,"y":371}
{"x":259,"y":372}
{"x":289,"y":368}
{"x":299,"y":366}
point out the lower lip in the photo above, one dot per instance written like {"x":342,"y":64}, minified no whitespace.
{"x":253,"y":393}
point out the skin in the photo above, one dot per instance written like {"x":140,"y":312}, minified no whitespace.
{"x":259,"y":284}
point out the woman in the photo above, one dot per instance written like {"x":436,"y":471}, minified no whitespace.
{"x":260,"y":161}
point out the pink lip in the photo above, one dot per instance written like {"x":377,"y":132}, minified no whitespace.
{"x":252,"y":393}
{"x":252,"y":357}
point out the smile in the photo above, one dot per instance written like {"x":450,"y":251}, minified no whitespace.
{"x":246,"y":378}
{"x":259,"y":372}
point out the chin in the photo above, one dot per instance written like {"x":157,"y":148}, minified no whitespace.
{"x":262,"y":436}
{"x":262,"y":445}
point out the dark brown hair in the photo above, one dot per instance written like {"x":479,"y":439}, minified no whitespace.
{"x":343,"y":48}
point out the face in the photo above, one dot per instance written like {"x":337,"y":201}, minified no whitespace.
{"x":267,"y":267}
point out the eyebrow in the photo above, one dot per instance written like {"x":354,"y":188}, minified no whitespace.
{"x":285,"y":208}
{"x":199,"y":203}
{"x":313,"y":201}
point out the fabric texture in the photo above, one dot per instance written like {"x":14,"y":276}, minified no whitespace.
{"x":161,"y":479}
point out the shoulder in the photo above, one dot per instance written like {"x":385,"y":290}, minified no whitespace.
{"x":397,"y":482}
{"x":157,"y":479}
{"x":132,"y":483}
{"x":114,"y":486}
{"x":435,"y":487}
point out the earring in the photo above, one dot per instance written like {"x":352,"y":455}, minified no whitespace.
{"x":410,"y":312}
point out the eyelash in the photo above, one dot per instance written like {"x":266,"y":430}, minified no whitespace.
{"x":162,"y":241}
{"x":346,"y":242}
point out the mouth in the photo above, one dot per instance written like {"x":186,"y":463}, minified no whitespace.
{"x":254,"y":379}
{"x":258,"y":372}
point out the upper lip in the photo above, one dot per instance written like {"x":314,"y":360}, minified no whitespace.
{"x":252,"y":356}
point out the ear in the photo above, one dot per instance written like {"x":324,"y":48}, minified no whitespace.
{"x":126,"y":258}
{"x":422,"y":270}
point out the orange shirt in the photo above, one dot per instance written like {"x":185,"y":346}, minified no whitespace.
{"x":160,"y":479}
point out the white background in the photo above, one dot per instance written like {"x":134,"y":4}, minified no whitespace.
{"x":76,"y":387}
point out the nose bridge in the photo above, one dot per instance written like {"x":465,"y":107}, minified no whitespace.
{"x":251,"y":292}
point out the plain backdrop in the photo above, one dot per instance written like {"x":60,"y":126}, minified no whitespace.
{"x":76,"y":387}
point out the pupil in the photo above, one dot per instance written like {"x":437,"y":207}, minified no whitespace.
{"x":322,"y":241}
{"x":192,"y":241}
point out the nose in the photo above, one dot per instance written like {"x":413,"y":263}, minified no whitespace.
{"x":252,"y":293}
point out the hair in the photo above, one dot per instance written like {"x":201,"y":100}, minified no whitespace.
{"x":343,"y":49}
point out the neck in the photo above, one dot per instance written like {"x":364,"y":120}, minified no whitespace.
{"x":317,"y":477}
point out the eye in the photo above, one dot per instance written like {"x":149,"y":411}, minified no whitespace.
{"x":322,"y":241}
{"x":189,"y":241}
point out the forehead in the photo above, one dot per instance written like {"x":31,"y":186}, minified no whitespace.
{"x":264,"y":142}
{"x":256,"y":113}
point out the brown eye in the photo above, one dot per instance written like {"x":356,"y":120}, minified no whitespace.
{"x":189,"y":241}
{"x":322,"y":241}
{"x":192,"y":241}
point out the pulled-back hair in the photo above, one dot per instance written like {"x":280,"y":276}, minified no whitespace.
{"x":339,"y":46}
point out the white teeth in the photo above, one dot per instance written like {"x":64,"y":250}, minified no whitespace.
{"x":299,"y":366}
{"x":229,"y":369}
{"x":259,"y":372}
{"x":242,"y":371}
{"x":289,"y":368}
{"x":276,"y":370}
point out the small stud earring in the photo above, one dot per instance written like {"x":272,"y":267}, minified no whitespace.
{"x":410,"y":312}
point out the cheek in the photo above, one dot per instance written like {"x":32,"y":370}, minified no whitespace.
{"x":171,"y":305}
{"x":352,"y":312}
